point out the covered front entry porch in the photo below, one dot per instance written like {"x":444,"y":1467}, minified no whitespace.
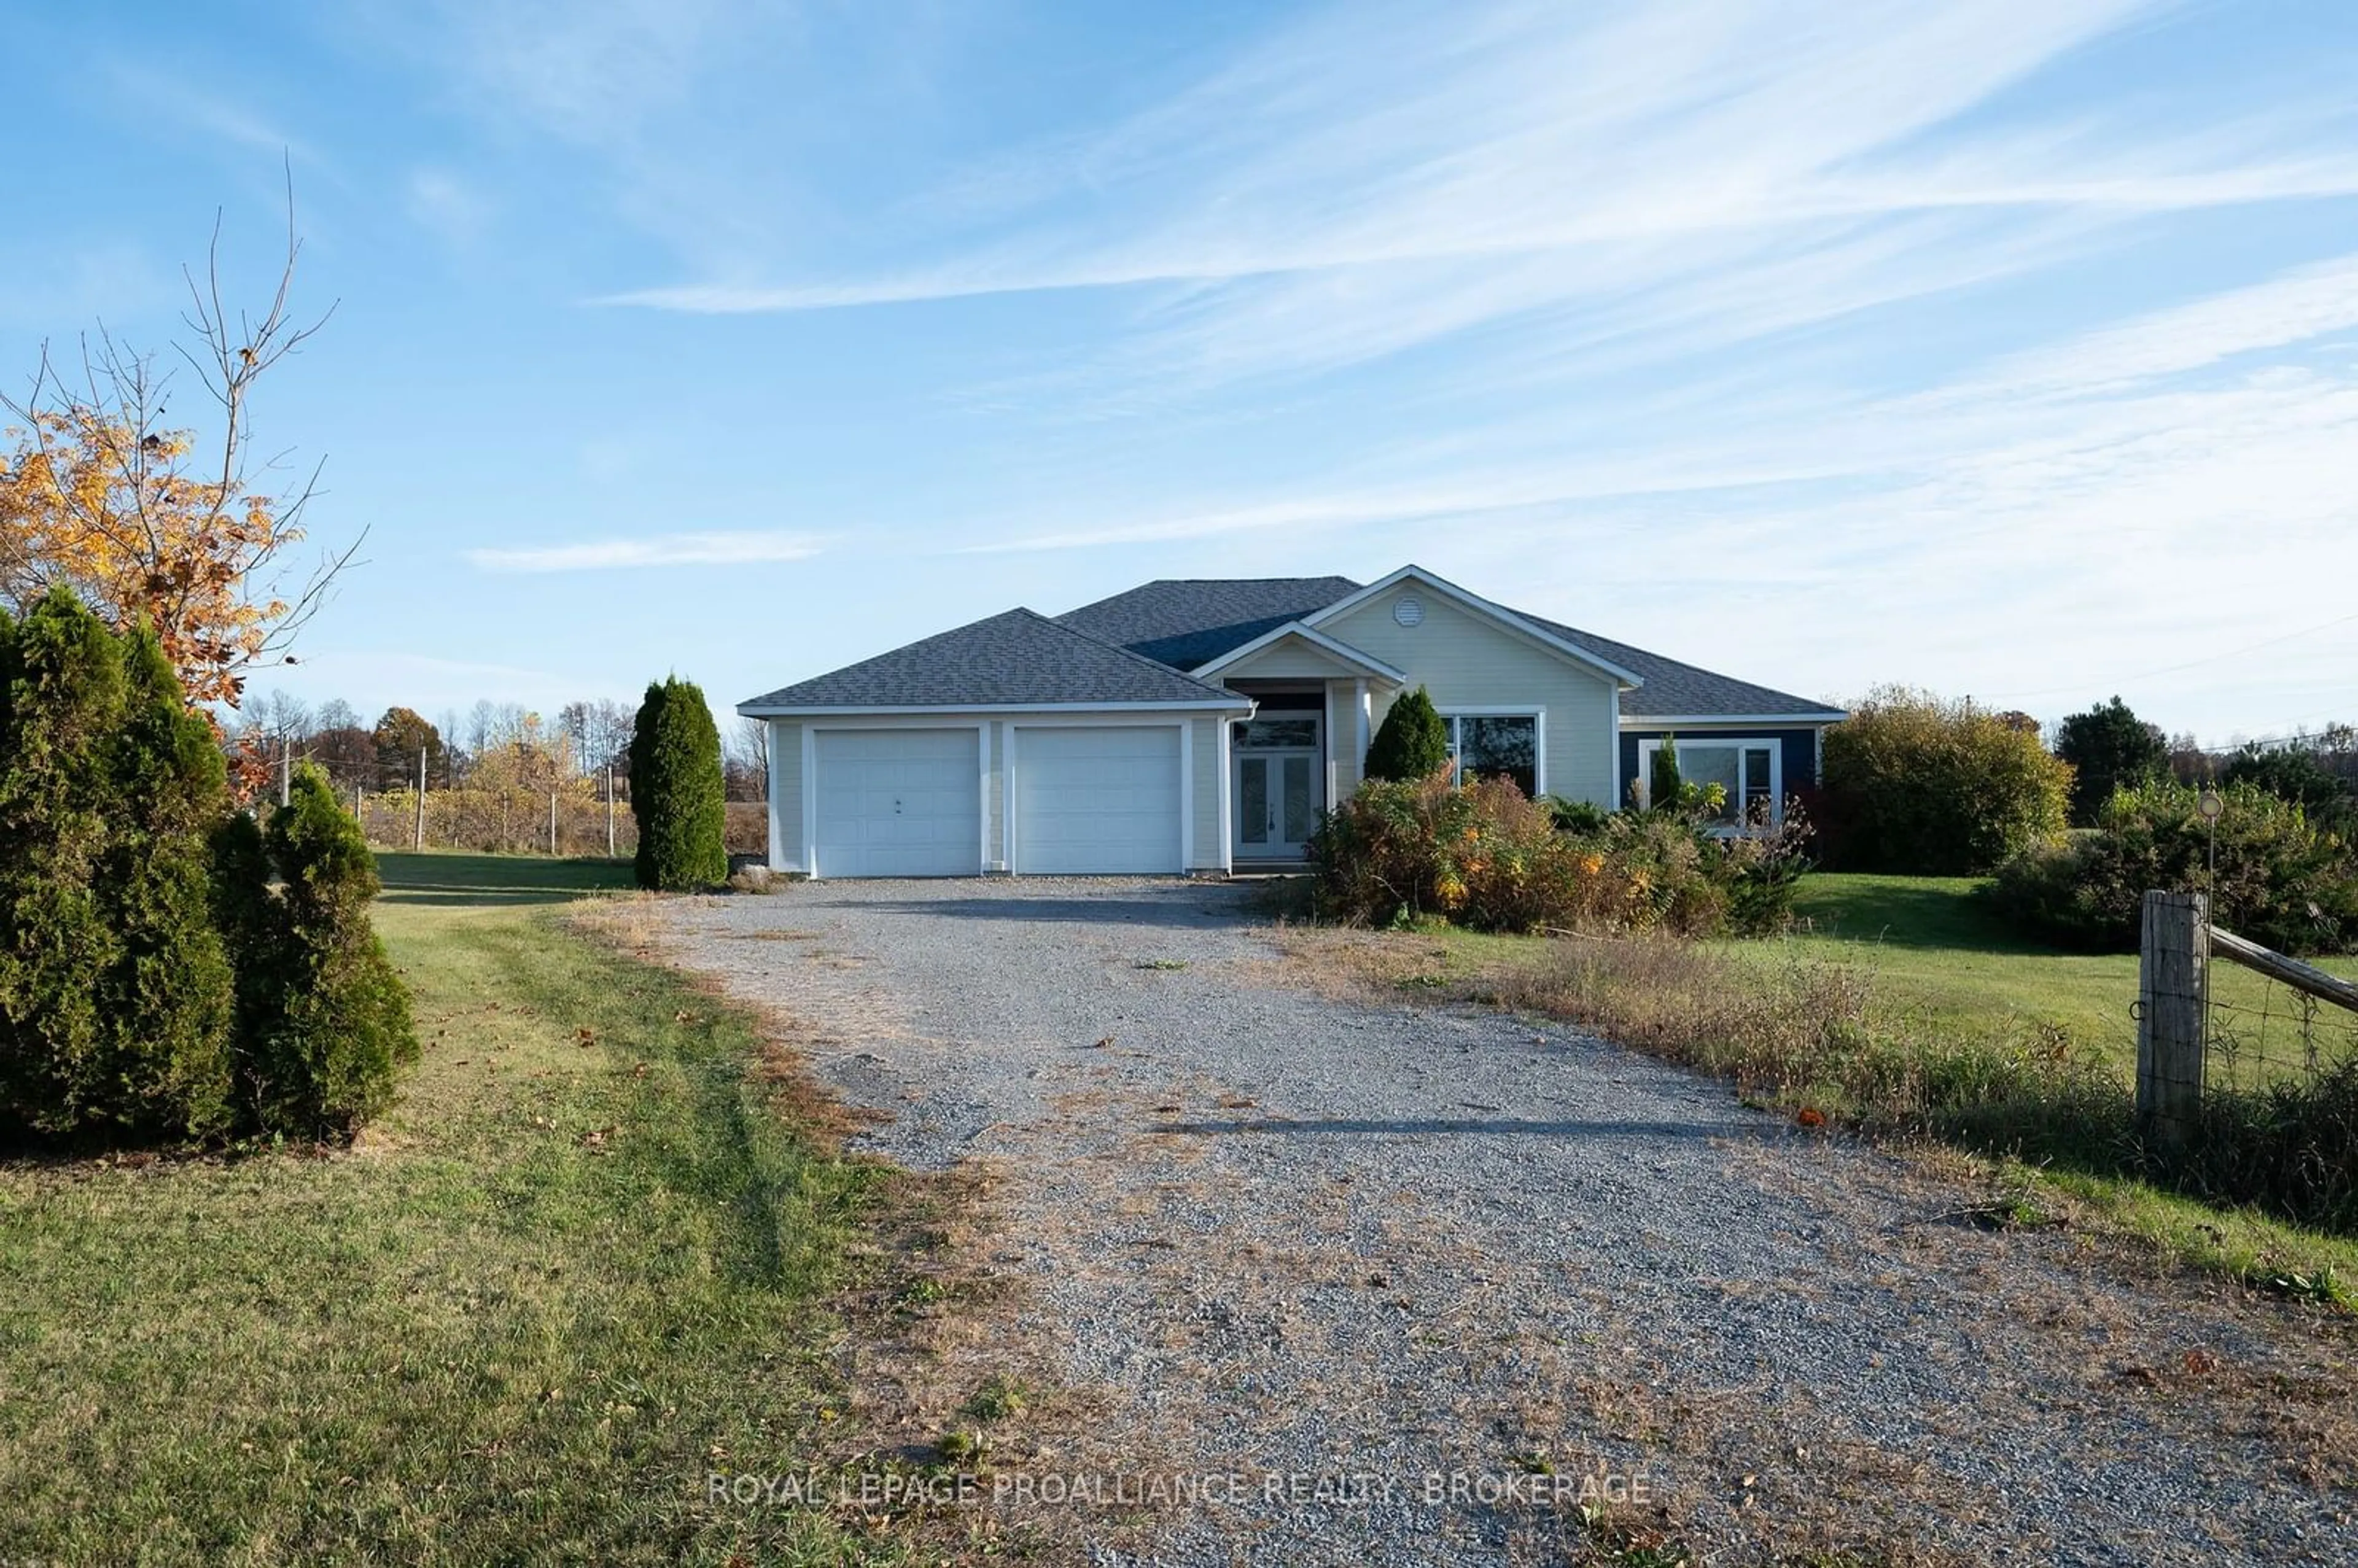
{"x":1301,"y":751}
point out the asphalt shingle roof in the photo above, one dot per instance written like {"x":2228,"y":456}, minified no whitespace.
{"x":1135,"y":647}
{"x":1018,"y":659}
{"x":1189,"y":621}
{"x":1674,"y":689}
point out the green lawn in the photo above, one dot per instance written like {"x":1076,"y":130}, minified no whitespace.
{"x":583,"y":1261}
{"x":439,"y":878}
{"x":1937,"y":954}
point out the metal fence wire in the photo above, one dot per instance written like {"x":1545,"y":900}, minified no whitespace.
{"x":2263,"y":1033}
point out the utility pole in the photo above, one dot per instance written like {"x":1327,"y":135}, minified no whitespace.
{"x":610,"y":810}
{"x":552,"y":825}
{"x":417,"y":836}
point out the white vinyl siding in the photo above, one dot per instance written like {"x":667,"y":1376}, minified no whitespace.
{"x":1466,"y":662}
{"x":1096,"y":799}
{"x":1288,"y":659}
{"x":898,"y":803}
{"x":994,"y":805}
{"x":1209,"y":851}
{"x":786,"y":795}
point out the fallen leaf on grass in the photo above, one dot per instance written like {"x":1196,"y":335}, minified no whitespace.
{"x":1810,"y":1116}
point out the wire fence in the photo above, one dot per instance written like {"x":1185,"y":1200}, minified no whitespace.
{"x":565,"y":823}
{"x":2263,"y":1033}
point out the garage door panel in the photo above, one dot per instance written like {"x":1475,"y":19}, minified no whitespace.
{"x":1094,"y":799}
{"x":898,"y":803}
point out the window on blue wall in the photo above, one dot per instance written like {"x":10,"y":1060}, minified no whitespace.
{"x":1746,"y":769}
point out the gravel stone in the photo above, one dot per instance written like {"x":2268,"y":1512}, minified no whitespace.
{"x":1302,"y":1236}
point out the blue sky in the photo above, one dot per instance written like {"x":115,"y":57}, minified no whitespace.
{"x":2009,"y":349}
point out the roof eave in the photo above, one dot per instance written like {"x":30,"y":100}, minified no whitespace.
{"x":1310,"y":635}
{"x":1663,"y":721}
{"x":757,"y":708}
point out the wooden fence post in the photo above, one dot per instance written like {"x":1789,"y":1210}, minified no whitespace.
{"x":2173,"y":1015}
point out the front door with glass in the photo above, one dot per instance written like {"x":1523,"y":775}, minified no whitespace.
{"x":1276,"y":783}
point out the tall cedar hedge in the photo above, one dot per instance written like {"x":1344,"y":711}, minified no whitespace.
{"x":675,"y":789}
{"x":1410,"y":742}
{"x":141,"y":945}
{"x":335,"y":1018}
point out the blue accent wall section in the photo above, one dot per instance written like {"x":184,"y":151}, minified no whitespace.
{"x":1801,"y":748}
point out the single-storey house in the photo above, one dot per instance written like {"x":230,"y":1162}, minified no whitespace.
{"x":1204,"y":725}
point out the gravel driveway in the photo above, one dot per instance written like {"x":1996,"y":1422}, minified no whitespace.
{"x":1293,"y":1236}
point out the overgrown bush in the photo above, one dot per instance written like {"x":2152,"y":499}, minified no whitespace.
{"x":333,"y":1020}
{"x":1483,"y":856}
{"x":2291,"y":1147}
{"x":676,"y":790}
{"x":1919,"y":784}
{"x":148,"y":972}
{"x":169,"y":991}
{"x":115,"y":995}
{"x":1486,"y":858}
{"x":1410,"y":742}
{"x":1576,"y":816}
{"x":2281,"y":880}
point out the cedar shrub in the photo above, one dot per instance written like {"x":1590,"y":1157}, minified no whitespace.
{"x":676,"y":791}
{"x":63,"y":678}
{"x":154,"y":987}
{"x":1411,"y":742}
{"x":337,"y":1024}
{"x":168,"y":995}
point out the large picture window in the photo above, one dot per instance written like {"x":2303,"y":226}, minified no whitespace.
{"x":1748,"y":770}
{"x":1487,"y":745}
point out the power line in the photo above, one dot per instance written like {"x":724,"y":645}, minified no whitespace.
{"x":2188,"y":664}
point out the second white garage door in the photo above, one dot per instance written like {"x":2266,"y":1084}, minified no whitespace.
{"x":898,"y":803}
{"x":1093,"y":799}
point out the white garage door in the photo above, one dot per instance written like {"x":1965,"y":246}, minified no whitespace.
{"x":1092,"y":799}
{"x":898,"y":803}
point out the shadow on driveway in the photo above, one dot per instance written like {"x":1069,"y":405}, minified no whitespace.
{"x":1429,"y":1127}
{"x":1188,"y":907}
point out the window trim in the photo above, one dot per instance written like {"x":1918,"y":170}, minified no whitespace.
{"x":1533,"y":712}
{"x":1650,"y":744}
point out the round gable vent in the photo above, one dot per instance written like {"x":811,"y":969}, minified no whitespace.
{"x":1407,"y":610}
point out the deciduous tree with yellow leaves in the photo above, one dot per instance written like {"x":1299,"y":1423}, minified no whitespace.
{"x":151,"y":523}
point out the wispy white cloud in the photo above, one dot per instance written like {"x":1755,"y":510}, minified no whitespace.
{"x":452,"y":206}
{"x":590,"y":70}
{"x":1900,"y":312}
{"x":663,"y":550}
{"x":171,"y":96}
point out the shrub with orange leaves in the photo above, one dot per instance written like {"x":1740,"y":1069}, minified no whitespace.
{"x":1485,"y":857}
